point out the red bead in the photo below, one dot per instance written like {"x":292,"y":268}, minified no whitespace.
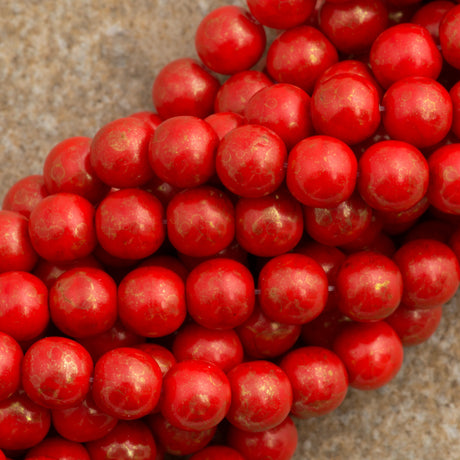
{"x":430,"y":272}
{"x":10,"y":365}
{"x":261,"y":396}
{"x":263,"y":338}
{"x":220,"y":347}
{"x":346,"y":106}
{"x":129,"y":224}
{"x":220,"y":293}
{"x":455,"y":97}
{"x":83,"y":423}
{"x":293,"y":289}
{"x":279,"y":442}
{"x":184,"y":87}
{"x":56,"y":447}
{"x":417,"y":110}
{"x":415,"y":326}
{"x":25,"y":194}
{"x":162,"y":356}
{"x":369,"y":286}
{"x":444,"y":187}
{"x":61,"y":227}
{"x":250,"y":161}
{"x":67,"y":168}
{"x":133,"y":371}
{"x":372,"y":353}
{"x":115,"y":337}
{"x":393,"y":176}
{"x":269,"y":226}
{"x":224,"y":122}
{"x":238,"y":89}
{"x":339,"y":225}
{"x":182,"y":151}
{"x":151,"y":301}
{"x":83,"y":302}
{"x":404,"y":50}
{"x":229,"y":40}
{"x":430,"y":16}
{"x":214,"y":452}
{"x":281,"y":15}
{"x":352,"y":26}
{"x":283,"y":108}
{"x":16,"y":250}
{"x":448,"y":36}
{"x":128,"y":441}
{"x":24,"y":313}
{"x":166,"y":261}
{"x":319,"y":381}
{"x":150,"y":118}
{"x":196,"y":395}
{"x":299,"y":56}
{"x":321,"y":171}
{"x":118,"y":152}
{"x":23,"y":423}
{"x":56,"y":372}
{"x":176,"y":441}
{"x":200,"y":221}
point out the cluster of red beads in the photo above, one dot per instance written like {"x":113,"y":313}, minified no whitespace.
{"x":187,"y":281}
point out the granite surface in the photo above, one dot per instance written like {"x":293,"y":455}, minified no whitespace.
{"x":69,"y":66}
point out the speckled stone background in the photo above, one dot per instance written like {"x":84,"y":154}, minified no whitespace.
{"x":69,"y":66}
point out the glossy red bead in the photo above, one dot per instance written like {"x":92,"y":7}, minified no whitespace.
{"x":200,"y":221}
{"x":281,"y":15}
{"x":229,"y":40}
{"x":61,"y":227}
{"x":250,"y":161}
{"x":55,"y":446}
{"x":83,"y":423}
{"x":184,"y":87}
{"x":444,"y":186}
{"x":415,"y":326}
{"x":23,"y":423}
{"x":196,"y":395}
{"x":404,"y":50}
{"x":238,"y":89}
{"x":430,"y":16}
{"x":220,"y":347}
{"x":10,"y":365}
{"x":448,"y":36}
{"x":346,"y":106}
{"x":25,"y":194}
{"x":293,"y":289}
{"x":224,"y":122}
{"x":56,"y":372}
{"x":83,"y":302}
{"x":129,"y":223}
{"x":283,"y":108}
{"x":137,"y":373}
{"x":24,"y":312}
{"x":181,"y":151}
{"x":67,"y":168}
{"x":279,"y":442}
{"x":372,"y":353}
{"x":220,"y":293}
{"x":369,"y":286}
{"x":176,"y":441}
{"x":269,"y":226}
{"x":417,"y":110}
{"x":352,"y":26}
{"x":299,"y":56}
{"x":261,"y":396}
{"x":338,"y":225}
{"x":321,"y":171}
{"x":393,"y":176}
{"x":430,"y":272}
{"x":319,"y":380}
{"x":263,"y":338}
{"x":128,"y":440}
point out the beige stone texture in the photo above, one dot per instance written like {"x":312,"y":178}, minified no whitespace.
{"x":69,"y":66}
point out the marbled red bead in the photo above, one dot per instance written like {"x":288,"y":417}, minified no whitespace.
{"x":57,"y":447}
{"x":430,"y":16}
{"x":448,"y":36}
{"x":10,"y":365}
